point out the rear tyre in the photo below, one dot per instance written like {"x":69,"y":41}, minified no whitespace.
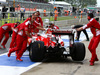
{"x":78,"y":52}
{"x":37,"y":51}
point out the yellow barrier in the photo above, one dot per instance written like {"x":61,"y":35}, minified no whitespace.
{"x":8,"y":17}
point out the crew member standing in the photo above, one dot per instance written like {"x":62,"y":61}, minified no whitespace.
{"x":22,"y":12}
{"x":44,"y":12}
{"x":93,"y":25}
{"x":4,"y":10}
{"x":56,"y":14}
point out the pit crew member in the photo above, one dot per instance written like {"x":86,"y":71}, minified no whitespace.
{"x":51,"y":25}
{"x":4,"y":31}
{"x":14,"y":35}
{"x":38,"y":20}
{"x":23,"y":34}
{"x":93,"y":25}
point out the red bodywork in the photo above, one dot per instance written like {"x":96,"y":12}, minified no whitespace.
{"x":46,"y":38}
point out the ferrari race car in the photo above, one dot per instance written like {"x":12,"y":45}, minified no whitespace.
{"x":50,"y":44}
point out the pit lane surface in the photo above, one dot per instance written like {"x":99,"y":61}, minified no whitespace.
{"x":67,"y":66}
{"x":9,"y":65}
{"x":50,"y":67}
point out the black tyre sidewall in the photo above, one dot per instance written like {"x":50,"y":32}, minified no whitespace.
{"x":78,"y":51}
{"x":37,"y":51}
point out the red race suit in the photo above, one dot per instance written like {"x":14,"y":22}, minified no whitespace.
{"x":93,"y":25}
{"x":4,"y":30}
{"x":21,"y":42}
{"x":14,"y":35}
{"x":38,"y":20}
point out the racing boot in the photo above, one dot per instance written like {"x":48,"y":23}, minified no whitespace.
{"x":19,"y":55}
{"x":10,"y":51}
{"x":18,"y":59}
{"x":96,"y":59}
{"x":91,"y":63}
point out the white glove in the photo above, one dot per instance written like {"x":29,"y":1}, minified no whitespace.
{"x":33,"y":39}
{"x":46,"y":29}
{"x":74,"y":30}
{"x":72,"y":26}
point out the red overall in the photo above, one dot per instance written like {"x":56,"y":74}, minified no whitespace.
{"x":93,"y":25}
{"x":38,"y":20}
{"x":14,"y":35}
{"x":92,"y":47}
{"x":4,"y":30}
{"x":21,"y":42}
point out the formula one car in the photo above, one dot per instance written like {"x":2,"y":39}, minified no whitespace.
{"x":51,"y":44}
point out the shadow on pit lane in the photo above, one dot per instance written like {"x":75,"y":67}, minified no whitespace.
{"x":62,"y":60}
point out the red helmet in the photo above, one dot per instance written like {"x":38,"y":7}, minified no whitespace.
{"x":51,"y":24}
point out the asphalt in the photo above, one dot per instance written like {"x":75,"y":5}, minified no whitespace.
{"x":68,"y":66}
{"x":64,"y":66}
{"x":7,"y":47}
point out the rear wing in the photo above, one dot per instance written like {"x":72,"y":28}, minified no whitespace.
{"x":69,"y":32}
{"x":63,"y":31}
